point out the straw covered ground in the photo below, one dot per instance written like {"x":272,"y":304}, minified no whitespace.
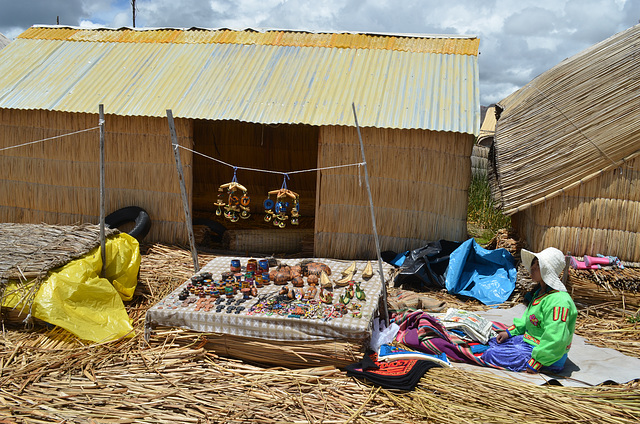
{"x":47,"y":376}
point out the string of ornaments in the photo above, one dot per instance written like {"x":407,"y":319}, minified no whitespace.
{"x":233,"y":203}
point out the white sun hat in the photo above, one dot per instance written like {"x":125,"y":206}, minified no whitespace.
{"x":552,"y":263}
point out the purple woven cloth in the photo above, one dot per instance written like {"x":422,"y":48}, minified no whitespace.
{"x":513,"y":354}
{"x":425,"y":333}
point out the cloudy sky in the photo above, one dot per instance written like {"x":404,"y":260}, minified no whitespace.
{"x":519,"y":39}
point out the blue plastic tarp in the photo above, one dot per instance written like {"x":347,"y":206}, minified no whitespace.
{"x":486,"y":275}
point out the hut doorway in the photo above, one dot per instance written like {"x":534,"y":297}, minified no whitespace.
{"x":281,"y":148}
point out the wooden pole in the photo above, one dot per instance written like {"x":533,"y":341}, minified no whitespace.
{"x":133,"y":11}
{"x":183,"y":189}
{"x":373,"y":221}
{"x":103,"y":252}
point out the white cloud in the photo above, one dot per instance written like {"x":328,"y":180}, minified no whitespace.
{"x":88,"y":24}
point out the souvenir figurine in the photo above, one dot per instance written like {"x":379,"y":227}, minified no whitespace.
{"x":237,"y":205}
{"x":326,"y":297}
{"x":298,"y":282}
{"x":310,"y":294}
{"x":360,"y":293}
{"x":368,"y":271}
{"x":350,"y":291}
{"x":276,"y":211}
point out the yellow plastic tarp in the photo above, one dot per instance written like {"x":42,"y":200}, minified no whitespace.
{"x":77,"y":299}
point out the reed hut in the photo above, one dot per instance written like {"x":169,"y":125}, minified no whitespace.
{"x":565,"y":162}
{"x":4,"y":41}
{"x":271,"y":100}
{"x":480,"y":152}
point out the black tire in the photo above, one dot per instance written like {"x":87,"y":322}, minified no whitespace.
{"x":214,"y":226}
{"x":131,"y":214}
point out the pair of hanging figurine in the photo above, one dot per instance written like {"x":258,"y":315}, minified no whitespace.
{"x":237,"y":205}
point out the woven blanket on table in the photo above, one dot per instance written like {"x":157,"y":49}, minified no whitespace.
{"x":424,"y":332}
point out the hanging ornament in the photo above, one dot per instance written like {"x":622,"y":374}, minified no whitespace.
{"x":277,"y":211}
{"x":237,"y":204}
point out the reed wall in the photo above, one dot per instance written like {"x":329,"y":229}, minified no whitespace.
{"x":601,"y":215}
{"x":419,"y":181}
{"x":281,"y":148}
{"x":58,"y":181}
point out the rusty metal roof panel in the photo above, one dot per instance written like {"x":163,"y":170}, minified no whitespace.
{"x":144,"y":73}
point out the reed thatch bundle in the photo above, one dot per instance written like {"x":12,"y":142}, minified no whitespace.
{"x":29,"y":251}
{"x":566,"y":153}
{"x":549,"y":134}
{"x":480,"y":161}
{"x":599,"y":216}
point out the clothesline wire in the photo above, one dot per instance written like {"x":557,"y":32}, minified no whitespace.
{"x":286,"y":174}
{"x":235,"y":168}
{"x":49,"y":138}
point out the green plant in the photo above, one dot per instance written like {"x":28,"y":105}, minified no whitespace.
{"x":482,"y":213}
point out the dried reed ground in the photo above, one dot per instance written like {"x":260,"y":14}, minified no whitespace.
{"x":49,"y":376}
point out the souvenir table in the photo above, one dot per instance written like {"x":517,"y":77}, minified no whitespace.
{"x":270,"y":315}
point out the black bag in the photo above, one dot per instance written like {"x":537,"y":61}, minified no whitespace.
{"x":427,"y":265}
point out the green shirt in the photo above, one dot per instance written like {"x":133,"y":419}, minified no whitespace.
{"x":548,"y":325}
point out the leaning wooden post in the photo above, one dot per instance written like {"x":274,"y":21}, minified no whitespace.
{"x":373,"y":221}
{"x":183,"y":189}
{"x":103,"y":252}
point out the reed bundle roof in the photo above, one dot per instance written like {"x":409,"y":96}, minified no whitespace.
{"x":50,"y":376}
{"x":569,"y":125}
{"x":30,"y":250}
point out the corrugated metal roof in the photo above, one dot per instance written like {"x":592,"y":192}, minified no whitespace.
{"x":266,"y":77}
{"x":570,"y":123}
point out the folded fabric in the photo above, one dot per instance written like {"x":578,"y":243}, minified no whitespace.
{"x":391,"y":353}
{"x":402,"y":374}
{"x":424,"y":332}
{"x":475,"y":327}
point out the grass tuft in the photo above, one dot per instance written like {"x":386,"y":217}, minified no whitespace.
{"x":483,"y":218}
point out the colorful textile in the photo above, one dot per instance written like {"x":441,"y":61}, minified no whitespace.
{"x":547,"y":325}
{"x":474,"y":327}
{"x":391,"y":353}
{"x":514,"y":354}
{"x":424,"y":332}
{"x":403,"y":374}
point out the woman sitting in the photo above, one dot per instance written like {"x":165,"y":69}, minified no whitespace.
{"x":541,"y":338}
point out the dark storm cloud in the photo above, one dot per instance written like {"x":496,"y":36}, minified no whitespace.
{"x":16,"y":16}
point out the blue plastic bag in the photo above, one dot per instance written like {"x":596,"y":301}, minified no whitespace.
{"x":486,"y":275}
